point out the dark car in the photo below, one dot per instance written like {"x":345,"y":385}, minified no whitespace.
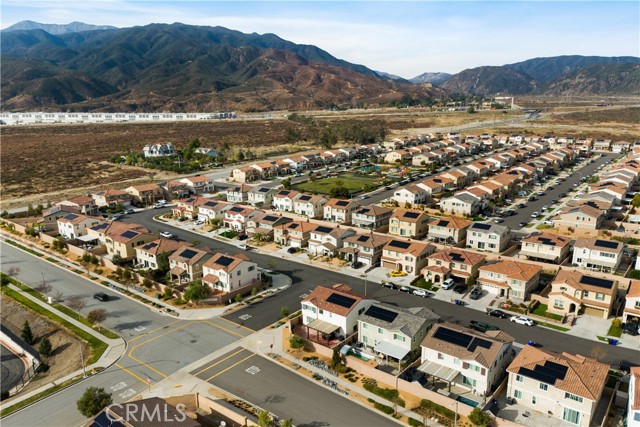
{"x":482,"y":326}
{"x":460,"y":289}
{"x":563,"y":194}
{"x":498,"y":313}
{"x":522,"y":206}
{"x":406,"y":289}
{"x":356,"y":264}
{"x":101,"y":296}
{"x":389,"y":285}
{"x":631,"y":328}
{"x":292,"y":250}
{"x":475,"y":293}
{"x":242,"y":237}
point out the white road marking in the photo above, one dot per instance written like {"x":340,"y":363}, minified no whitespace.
{"x":253,"y":370}
{"x":118,"y":386}
{"x":127,"y":394}
{"x":139,"y":328}
{"x":245,"y":317}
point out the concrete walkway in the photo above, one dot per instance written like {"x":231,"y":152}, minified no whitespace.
{"x":116,"y":348}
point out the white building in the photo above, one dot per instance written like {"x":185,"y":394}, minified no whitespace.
{"x":159,"y":150}
{"x":488,"y":237}
{"x":633,"y":412}
{"x":226,"y":273}
{"x":73,"y":226}
{"x":597,"y":254}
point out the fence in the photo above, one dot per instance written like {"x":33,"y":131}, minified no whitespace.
{"x":25,"y":352}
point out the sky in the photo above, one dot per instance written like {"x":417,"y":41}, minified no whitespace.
{"x":405,"y":38}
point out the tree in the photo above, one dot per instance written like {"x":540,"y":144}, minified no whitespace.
{"x":593,"y":179}
{"x":480,"y":418}
{"x":254,"y":292}
{"x":238,"y":298}
{"x":287,"y":422}
{"x":339,"y":191}
{"x":286,"y":183}
{"x":93,"y":401}
{"x":45,"y":347}
{"x":117,"y":260}
{"x":44,"y":288}
{"x":634,"y":274}
{"x":272,"y":264}
{"x":296,"y":342}
{"x":196,"y":291}
{"x":76,"y":303}
{"x":97,"y":316}
{"x":336,"y":359}
{"x":284,"y":311}
{"x":636,"y":201}
{"x":471,"y":110}
{"x":26,"y":334}
{"x":265,"y":419}
{"x":163,"y":262}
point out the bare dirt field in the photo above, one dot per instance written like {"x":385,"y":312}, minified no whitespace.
{"x":66,"y":347}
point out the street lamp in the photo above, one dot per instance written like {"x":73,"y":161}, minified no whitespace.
{"x":455,"y":416}
{"x":365,"y":283}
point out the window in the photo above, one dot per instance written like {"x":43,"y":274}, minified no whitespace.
{"x":474,"y":368}
{"x":456,"y":361}
{"x":534,"y":399}
{"x":365,"y":326}
{"x":379,"y":330}
{"x":572,"y":396}
{"x":571,"y":416}
{"x":585,"y":294}
{"x":517,"y":394}
{"x":600,"y":297}
{"x":558,"y":303}
{"x":544,"y":387}
{"x":520,"y":378}
{"x":321,"y":311}
{"x":398,"y":337}
{"x":440,"y":356}
{"x":637,"y":304}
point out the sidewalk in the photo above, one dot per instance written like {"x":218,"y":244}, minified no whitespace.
{"x":116,"y":348}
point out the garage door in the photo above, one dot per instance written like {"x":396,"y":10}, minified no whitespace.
{"x":592,"y":311}
{"x":389,"y":265}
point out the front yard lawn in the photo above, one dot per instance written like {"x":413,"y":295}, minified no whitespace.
{"x":353,"y":183}
{"x":541,"y":310}
{"x":616,"y":328}
{"x":422,"y":283}
{"x":229,"y":234}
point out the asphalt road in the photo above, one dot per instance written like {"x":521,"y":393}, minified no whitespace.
{"x":158,"y":345}
{"x":305,"y":278}
{"x":11,"y":369}
{"x":280,"y":391}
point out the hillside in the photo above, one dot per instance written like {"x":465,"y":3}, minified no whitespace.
{"x":433,"y":78}
{"x":74,"y":27}
{"x":490,"y":81}
{"x":598,"y":79}
{"x":180,"y":67}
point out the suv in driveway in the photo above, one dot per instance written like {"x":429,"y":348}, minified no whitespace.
{"x":448,"y":284}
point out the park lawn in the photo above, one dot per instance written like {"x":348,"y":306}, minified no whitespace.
{"x":353,"y":183}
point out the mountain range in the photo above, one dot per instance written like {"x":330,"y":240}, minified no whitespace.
{"x":178,"y":67}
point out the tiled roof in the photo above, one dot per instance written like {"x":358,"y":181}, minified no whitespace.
{"x":450,"y":222}
{"x":459,"y":256}
{"x":597,"y":244}
{"x":513,"y":269}
{"x":320,"y":294}
{"x":548,"y":239}
{"x":223,"y":262}
{"x":578,"y":280}
{"x":161,"y":245}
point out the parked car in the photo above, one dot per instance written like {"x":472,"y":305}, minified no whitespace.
{"x":406,"y":289}
{"x":356,"y":264}
{"x":498,"y":220}
{"x":631,"y":328}
{"x":498,"y":313}
{"x":521,"y":320}
{"x":389,"y":285}
{"x":292,"y":250}
{"x":397,"y":273}
{"x":535,"y":214}
{"x":130,"y":211}
{"x":244,"y":247}
{"x":522,"y":206}
{"x":158,"y":205}
{"x":448,"y":284}
{"x":421,"y":293}
{"x":101,"y":296}
{"x":166,"y":235}
{"x":482,"y":326}
{"x":475,"y":293}
{"x":460,"y":289}
{"x":523,"y":224}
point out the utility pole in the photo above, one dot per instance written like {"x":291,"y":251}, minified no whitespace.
{"x":84,"y":372}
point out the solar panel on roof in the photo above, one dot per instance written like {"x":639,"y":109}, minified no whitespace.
{"x":188,"y":253}
{"x":481,"y":226}
{"x":293,"y":226}
{"x":129,"y":234}
{"x":606,"y":244}
{"x":412,"y":215}
{"x":453,"y":337}
{"x":342,"y":203}
{"x":263,"y":190}
{"x":322,"y":229}
{"x":560,"y":370}
{"x":456,"y":256}
{"x":224,"y":261}
{"x":236,"y":209}
{"x":443,"y":223}
{"x":341,"y":300}
{"x":399,"y":244}
{"x":149,"y":246}
{"x":304,"y":198}
{"x":283,"y":192}
{"x":100,"y":226}
{"x":71,"y":217}
{"x":270,"y":218}
{"x":479,"y":342}
{"x":546,"y":241}
{"x":595,"y":281}
{"x":210,"y":204}
{"x":381,"y":314}
{"x":548,"y":373}
{"x":363,"y":239}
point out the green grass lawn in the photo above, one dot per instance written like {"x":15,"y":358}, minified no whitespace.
{"x":552,"y":326}
{"x":615,"y":330}
{"x":422,"y":283}
{"x":353,"y":183}
{"x":541,"y":310}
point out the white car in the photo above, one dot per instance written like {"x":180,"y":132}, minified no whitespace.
{"x":244,"y":247}
{"x":166,"y":234}
{"x":199,"y":222}
{"x":421,"y":293}
{"x":522,"y":320}
{"x":448,"y":284}
{"x":534,"y":215}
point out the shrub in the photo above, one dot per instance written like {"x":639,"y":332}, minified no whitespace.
{"x":45,"y":347}
{"x":415,"y":423}
{"x":480,"y":418}
{"x":379,"y":406}
{"x":296,"y":342}
{"x":447,"y":413}
{"x":386,"y":393}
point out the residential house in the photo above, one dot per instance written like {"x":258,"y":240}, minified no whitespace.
{"x":633,"y":408}
{"x":620,"y":146}
{"x":597,"y":254}
{"x":238,"y":193}
{"x":407,"y":256}
{"x":199,"y":184}
{"x":73,"y":225}
{"x":261,"y":196}
{"x":175,"y":190}
{"x":394,"y":331}
{"x":461,"y":204}
{"x":263,"y":223}
{"x":333,"y":311}
{"x":295,"y":234}
{"x":236,"y":217}
{"x":573,"y":292}
{"x":413,"y":194}
{"x":455,"y":263}
{"x":326,"y":241}
{"x":266,"y":169}
{"x":365,"y":248}
{"x":226,"y":273}
{"x":84,"y":205}
{"x":207,"y":151}
{"x":467,"y":358}
{"x":209,"y":210}
{"x":564,"y":386}
{"x":121,"y":239}
{"x":489,"y":237}
{"x":147,"y":194}
{"x":397,"y":156}
{"x":371,"y":217}
{"x":452,"y":231}
{"x":245,"y":174}
{"x":110,"y":198}
{"x":283,"y":200}
{"x":408,"y":223}
{"x":632,"y":303}
{"x":189,"y":207}
{"x":545,"y":247}
{"x":513,"y":280}
{"x":147,"y":254}
{"x":584,"y":216}
{"x":297,"y":163}
{"x":159,"y":150}
{"x":186,"y":264}
{"x":340,"y":211}
{"x":310,"y":206}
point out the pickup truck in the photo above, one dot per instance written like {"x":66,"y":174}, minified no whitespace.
{"x":482,"y":326}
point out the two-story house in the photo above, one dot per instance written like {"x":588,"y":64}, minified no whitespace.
{"x":597,"y":254}
{"x":199,"y":184}
{"x":174,"y":190}
{"x":283,"y":200}
{"x":371,"y":217}
{"x":189,"y":207}
{"x":147,"y":254}
{"x":633,"y":408}
{"x":489,"y":237}
{"x":236,"y":217}
{"x":186,"y":264}
{"x":513,"y":280}
{"x":227,"y":274}
{"x":340,"y":211}
{"x":84,"y":205}
{"x":407,"y":256}
{"x":461,"y":204}
{"x":408,"y":223}
{"x":465,"y":357}
{"x":583,"y":216}
{"x":295,"y":234}
{"x":332,"y":312}
{"x":159,"y":150}
{"x":261,"y":196}
{"x":573,"y":292}
{"x":245,"y":174}
{"x":110,"y":198}
{"x":545,"y":247}
{"x":209,"y":210}
{"x":564,"y":386}
{"x":147,"y":194}
{"x":327,"y":241}
{"x":452,"y":231}
{"x":365,"y":248}
{"x":238,"y":193}
{"x":394,"y":331}
{"x":458,"y":264}
{"x":73,"y":226}
{"x":310,"y":206}
{"x":631,"y":311}
{"x":412,"y":194}
{"x":260,"y":226}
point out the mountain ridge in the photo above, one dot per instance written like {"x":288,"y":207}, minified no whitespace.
{"x":55,"y":29}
